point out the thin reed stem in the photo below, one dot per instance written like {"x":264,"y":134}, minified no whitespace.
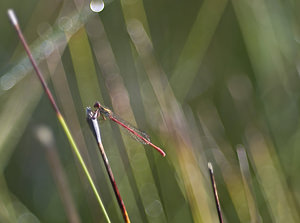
{"x":93,"y":123}
{"x":214,"y":186}
{"x":16,"y":25}
{"x":45,"y":136}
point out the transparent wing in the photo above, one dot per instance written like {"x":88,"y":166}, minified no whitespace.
{"x":131,"y":129}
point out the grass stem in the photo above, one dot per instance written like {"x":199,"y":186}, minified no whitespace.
{"x":214,"y":186}
{"x":16,"y":25}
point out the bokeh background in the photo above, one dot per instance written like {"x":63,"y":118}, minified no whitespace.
{"x":210,"y":81}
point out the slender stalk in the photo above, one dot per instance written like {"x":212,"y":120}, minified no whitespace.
{"x":93,"y":123}
{"x":214,"y":186}
{"x":45,"y":136}
{"x":248,"y":185}
{"x":16,"y":25}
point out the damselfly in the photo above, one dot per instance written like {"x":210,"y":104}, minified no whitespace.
{"x":138,"y":135}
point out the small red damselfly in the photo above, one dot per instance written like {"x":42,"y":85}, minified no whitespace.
{"x":138,"y":135}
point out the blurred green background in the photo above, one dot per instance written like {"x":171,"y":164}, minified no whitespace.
{"x":210,"y":81}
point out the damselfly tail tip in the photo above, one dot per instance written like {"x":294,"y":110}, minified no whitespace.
{"x":160,"y":151}
{"x":12,"y":16}
{"x":157,"y":149}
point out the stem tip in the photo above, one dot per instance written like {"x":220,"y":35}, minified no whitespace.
{"x":12,"y":16}
{"x":210,"y":167}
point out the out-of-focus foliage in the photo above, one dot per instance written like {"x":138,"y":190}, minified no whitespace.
{"x":210,"y":80}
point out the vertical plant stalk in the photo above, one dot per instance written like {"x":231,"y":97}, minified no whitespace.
{"x":248,"y":185}
{"x":45,"y":136}
{"x":16,"y":25}
{"x":214,"y":186}
{"x":93,"y":123}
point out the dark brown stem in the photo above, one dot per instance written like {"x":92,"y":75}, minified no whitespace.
{"x":93,"y":123}
{"x":14,"y":21}
{"x":46,"y":138}
{"x":214,"y":186}
{"x":113,"y":183}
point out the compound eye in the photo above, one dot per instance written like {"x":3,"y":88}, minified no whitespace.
{"x":97,"y":105}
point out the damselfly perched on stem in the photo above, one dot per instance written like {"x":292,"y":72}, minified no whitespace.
{"x":138,"y":135}
{"x":92,"y":121}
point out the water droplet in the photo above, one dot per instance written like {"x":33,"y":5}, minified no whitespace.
{"x":97,"y":5}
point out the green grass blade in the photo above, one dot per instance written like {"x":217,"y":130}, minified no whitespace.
{"x":76,"y":150}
